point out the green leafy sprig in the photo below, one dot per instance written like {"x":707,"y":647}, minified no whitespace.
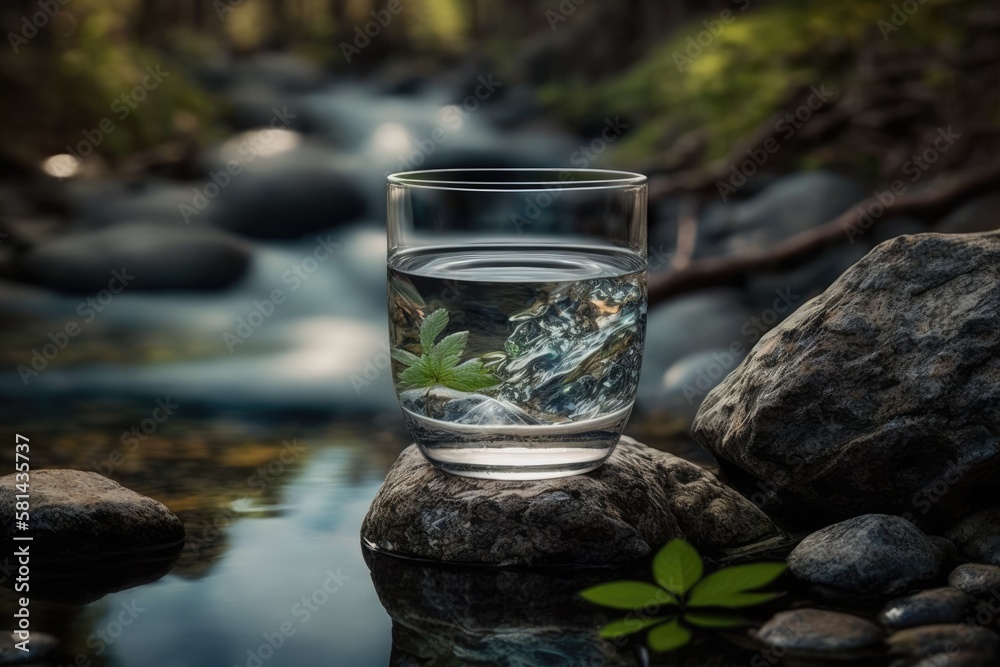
{"x":686,"y":594}
{"x":439,"y":362}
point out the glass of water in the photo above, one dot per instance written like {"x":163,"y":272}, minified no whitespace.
{"x":517,"y":315}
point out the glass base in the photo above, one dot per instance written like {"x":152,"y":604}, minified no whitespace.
{"x":519,"y":452}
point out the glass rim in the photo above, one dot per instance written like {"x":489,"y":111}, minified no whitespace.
{"x":595,"y":179}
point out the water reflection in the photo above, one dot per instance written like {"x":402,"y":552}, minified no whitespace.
{"x":480,"y":616}
{"x":272,"y":572}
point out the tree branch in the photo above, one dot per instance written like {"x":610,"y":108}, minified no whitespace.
{"x":930,"y":203}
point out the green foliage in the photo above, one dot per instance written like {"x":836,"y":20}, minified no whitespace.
{"x":677,"y":567}
{"x":668,"y":637}
{"x":632,"y":595}
{"x":439,"y":363}
{"x":746,"y":71}
{"x":678,"y":570}
{"x":87,"y":68}
{"x":727,"y":587}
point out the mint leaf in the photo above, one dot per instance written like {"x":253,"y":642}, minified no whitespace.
{"x":706,"y":620}
{"x":450,"y":349}
{"x":438,"y":365}
{"x":677,"y":567}
{"x":403,"y":357}
{"x":628,"y":626}
{"x":729,"y":586}
{"x":470,"y":376}
{"x":432,"y":327}
{"x":668,"y":637}
{"x":417,"y":377}
{"x":627,"y":595}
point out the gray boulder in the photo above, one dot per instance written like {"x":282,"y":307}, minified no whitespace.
{"x":876,"y":396}
{"x":977,"y":536}
{"x":977,"y":579}
{"x":870,"y":555}
{"x":817,"y":631}
{"x":946,"y":639}
{"x":930,"y":607}
{"x":637,"y":501}
{"x":137,"y":256}
{"x":283,"y":191}
{"x":90,"y":535}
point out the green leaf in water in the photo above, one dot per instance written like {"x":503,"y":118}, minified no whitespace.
{"x":707,"y":620}
{"x":432,"y":327}
{"x":628,"y":626}
{"x":729,"y":586}
{"x":677,"y":567}
{"x":627,"y":595}
{"x":439,"y":363}
{"x":668,"y":637}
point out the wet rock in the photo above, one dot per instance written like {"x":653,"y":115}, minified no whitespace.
{"x":930,"y":641}
{"x":870,"y":555}
{"x":957,"y":659}
{"x":479,"y":616}
{"x":711,"y":320}
{"x":288,"y":194}
{"x":977,"y":579}
{"x":930,"y":607}
{"x":686,"y":383}
{"x":91,"y":536}
{"x":790,"y":205}
{"x":817,"y":631}
{"x":977,"y":536}
{"x":638,"y":500}
{"x":137,"y":256}
{"x":874,"y":396}
{"x":153,"y":202}
{"x":39,"y":646}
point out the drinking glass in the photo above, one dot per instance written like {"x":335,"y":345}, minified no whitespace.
{"x":517,"y":315}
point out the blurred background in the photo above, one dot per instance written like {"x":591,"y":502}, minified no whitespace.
{"x":192,"y":247}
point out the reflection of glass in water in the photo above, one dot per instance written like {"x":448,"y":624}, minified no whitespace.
{"x":557,"y":333}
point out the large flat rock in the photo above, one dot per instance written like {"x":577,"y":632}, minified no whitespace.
{"x":638,"y":500}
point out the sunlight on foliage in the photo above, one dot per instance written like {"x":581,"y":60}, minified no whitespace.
{"x":742,"y":75}
{"x":682,"y":588}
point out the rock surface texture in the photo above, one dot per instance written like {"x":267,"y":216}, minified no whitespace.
{"x":637,"y":501}
{"x":930,"y":607}
{"x":870,"y":555}
{"x":977,"y":536}
{"x":90,"y":535}
{"x":816,"y":631}
{"x":880,"y":395}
